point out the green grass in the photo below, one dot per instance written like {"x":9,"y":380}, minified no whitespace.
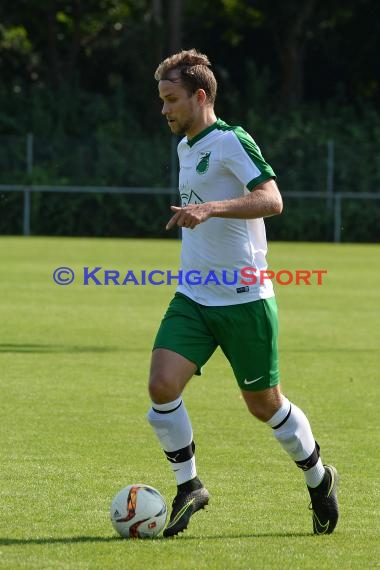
{"x":74,"y":363}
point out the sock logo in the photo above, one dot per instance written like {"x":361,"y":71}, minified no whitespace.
{"x":181,"y":455}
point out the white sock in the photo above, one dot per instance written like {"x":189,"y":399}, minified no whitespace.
{"x":292,"y":430}
{"x":314,"y":475}
{"x":172,"y":426}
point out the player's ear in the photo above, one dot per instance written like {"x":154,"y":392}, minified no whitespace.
{"x":201,"y":96}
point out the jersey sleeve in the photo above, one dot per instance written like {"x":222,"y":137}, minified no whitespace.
{"x":243,"y":158}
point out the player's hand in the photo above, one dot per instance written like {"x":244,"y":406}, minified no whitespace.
{"x":189,"y":216}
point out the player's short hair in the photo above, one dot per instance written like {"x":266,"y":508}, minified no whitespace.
{"x":194,"y":72}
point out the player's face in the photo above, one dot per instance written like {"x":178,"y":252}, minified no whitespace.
{"x":180,"y":109}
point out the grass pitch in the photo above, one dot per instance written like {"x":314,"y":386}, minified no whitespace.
{"x":74,"y":363}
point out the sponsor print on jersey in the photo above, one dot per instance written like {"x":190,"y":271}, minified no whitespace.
{"x":193,"y":198}
{"x":203,"y":162}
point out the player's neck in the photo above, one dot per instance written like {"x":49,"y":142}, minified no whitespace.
{"x":205,"y":121}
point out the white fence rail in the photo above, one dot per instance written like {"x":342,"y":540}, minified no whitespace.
{"x":335,"y":199}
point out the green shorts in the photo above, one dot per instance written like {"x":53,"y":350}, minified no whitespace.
{"x":246,"y":333}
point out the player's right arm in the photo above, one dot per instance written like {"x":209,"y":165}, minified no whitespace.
{"x":263,"y":201}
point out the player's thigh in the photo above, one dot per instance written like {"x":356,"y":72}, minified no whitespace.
{"x":248,"y":338}
{"x":183,"y":332}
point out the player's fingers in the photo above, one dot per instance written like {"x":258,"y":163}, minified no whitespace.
{"x":172,"y":222}
{"x":182,"y":219}
{"x":174,"y":219}
{"x":190,"y":225}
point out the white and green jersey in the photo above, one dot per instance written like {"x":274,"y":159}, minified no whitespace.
{"x":222,"y":163}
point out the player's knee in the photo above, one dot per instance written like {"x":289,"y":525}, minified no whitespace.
{"x":263,"y":405}
{"x":259,"y":411}
{"x":162,"y":389}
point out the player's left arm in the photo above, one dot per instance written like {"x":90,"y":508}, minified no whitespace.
{"x":263,"y":201}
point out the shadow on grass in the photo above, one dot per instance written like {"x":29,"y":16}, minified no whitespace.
{"x":246,"y":535}
{"x":328,"y":349}
{"x":63,"y":540}
{"x":59,"y":348}
{"x":66,"y":348}
{"x":83,"y":539}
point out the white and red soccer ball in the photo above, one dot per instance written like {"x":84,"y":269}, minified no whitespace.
{"x":138,"y":511}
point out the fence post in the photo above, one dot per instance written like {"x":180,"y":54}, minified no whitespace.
{"x":29,"y":153}
{"x":27,"y":192}
{"x":337,"y":217}
{"x":330,"y":174}
{"x":26,"y":221}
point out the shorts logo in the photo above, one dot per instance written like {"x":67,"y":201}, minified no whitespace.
{"x":252,"y":381}
{"x":203,"y":162}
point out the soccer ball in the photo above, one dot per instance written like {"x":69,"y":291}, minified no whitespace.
{"x":138,"y":511}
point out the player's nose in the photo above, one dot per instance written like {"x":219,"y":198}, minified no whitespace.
{"x":165,"y":109}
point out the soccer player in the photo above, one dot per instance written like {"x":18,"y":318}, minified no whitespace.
{"x":226,"y":188}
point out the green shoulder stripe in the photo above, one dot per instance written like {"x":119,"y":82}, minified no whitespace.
{"x":252,"y":151}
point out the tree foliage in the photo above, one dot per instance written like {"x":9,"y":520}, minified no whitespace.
{"x":78,"y":74}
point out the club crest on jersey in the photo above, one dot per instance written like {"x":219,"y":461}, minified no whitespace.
{"x":203,"y":162}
